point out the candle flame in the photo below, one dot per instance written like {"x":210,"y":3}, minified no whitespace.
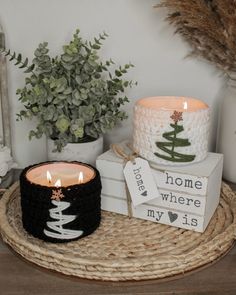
{"x":58,"y":183}
{"x":49,"y":177}
{"x":185,"y":105}
{"x":81,"y":177}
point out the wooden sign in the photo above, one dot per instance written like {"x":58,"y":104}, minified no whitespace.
{"x":166,"y":198}
{"x":159,"y":214}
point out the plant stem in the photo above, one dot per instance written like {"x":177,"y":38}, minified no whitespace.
{"x":20,"y":63}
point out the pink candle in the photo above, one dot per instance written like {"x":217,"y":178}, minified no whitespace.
{"x":48,"y":174}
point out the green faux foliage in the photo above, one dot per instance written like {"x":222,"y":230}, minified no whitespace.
{"x":75,"y":96}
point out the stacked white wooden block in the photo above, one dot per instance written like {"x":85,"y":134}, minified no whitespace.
{"x":188,"y":195}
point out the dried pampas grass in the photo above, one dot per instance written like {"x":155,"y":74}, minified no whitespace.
{"x":209,"y":26}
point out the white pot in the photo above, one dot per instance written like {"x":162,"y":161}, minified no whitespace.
{"x":86,"y":152}
{"x":226,"y":139}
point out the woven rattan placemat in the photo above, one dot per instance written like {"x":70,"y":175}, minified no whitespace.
{"x":122,"y":248}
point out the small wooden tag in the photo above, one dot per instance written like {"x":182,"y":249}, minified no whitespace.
{"x":140,"y":181}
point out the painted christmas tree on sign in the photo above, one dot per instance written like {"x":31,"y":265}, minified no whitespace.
{"x":174,"y":141}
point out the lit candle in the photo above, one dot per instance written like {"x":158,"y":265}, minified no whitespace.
{"x":69,"y":173}
{"x":60,"y":201}
{"x":58,"y":183}
{"x":81,"y":177}
{"x":171,"y":130}
{"x":185,"y":105}
{"x":49,"y":177}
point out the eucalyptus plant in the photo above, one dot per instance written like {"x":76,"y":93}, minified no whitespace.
{"x":75,"y":96}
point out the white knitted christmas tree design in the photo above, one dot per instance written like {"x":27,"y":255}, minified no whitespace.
{"x":59,"y":219}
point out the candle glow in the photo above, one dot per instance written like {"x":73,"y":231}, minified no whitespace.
{"x":81,"y":177}
{"x":47,"y":174}
{"x":185,"y":105}
{"x":49,"y":177}
{"x":58,"y":183}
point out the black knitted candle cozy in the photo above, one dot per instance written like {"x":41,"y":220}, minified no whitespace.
{"x":60,"y":214}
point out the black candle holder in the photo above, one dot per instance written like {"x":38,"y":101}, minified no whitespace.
{"x":60,"y":214}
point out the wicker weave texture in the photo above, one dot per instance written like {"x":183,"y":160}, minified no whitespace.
{"x":124,"y":249}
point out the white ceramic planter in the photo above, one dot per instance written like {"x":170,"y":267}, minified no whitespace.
{"x":86,"y":152}
{"x":226,"y":139}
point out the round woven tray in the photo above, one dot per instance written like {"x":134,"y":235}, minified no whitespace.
{"x":124,"y":249}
